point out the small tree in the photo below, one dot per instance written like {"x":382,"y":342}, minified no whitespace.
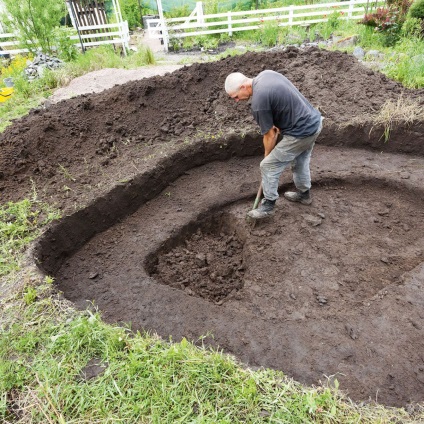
{"x":35,"y":21}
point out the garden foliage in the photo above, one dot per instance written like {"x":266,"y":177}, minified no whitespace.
{"x":417,"y":9}
{"x":35,"y":21}
{"x":388,"y":20}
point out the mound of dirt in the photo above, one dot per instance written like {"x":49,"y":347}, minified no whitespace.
{"x":77,"y":142}
{"x":334,"y":289}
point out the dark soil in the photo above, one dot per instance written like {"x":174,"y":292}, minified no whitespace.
{"x":168,"y":168}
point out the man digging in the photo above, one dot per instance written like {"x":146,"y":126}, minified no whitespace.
{"x":279,"y":108}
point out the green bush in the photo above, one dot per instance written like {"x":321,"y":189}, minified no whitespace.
{"x":131,"y":12}
{"x":412,"y":27}
{"x":417,"y":9}
{"x":269,"y":34}
{"x":66,"y":48}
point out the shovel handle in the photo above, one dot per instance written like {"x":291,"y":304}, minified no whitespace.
{"x":258,"y":197}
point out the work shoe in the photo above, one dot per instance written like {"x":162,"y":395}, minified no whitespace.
{"x":265,"y":209}
{"x":297,"y":196}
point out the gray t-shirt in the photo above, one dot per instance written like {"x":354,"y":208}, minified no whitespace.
{"x":276,"y":101}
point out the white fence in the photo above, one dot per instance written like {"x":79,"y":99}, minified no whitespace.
{"x":9,"y":43}
{"x":199,"y":24}
{"x":94,"y":35}
{"x":106,"y":34}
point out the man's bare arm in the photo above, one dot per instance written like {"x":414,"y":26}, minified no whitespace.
{"x":270,"y":140}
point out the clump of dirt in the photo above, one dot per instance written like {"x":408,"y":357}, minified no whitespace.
{"x":208,"y":265}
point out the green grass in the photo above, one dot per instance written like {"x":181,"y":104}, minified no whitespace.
{"x":20,"y":223}
{"x":406,"y":63}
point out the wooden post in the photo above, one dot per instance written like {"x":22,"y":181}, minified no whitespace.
{"x":291,"y":15}
{"x":199,"y":12}
{"x":163,"y":25}
{"x":74,"y":19}
{"x":230,"y":27}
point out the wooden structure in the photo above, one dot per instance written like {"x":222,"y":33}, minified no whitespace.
{"x":90,"y":19}
{"x":87,"y":13}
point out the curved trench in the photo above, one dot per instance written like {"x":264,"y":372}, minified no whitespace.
{"x":331,"y":290}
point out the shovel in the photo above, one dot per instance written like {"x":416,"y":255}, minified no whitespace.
{"x":258,"y":197}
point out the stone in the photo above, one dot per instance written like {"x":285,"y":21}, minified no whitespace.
{"x":200,"y":260}
{"x":347,"y":42}
{"x":312,"y":220}
{"x":359,"y":52}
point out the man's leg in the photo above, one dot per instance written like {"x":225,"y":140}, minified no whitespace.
{"x":302,"y":173}
{"x":301,"y":170}
{"x":271,"y":168}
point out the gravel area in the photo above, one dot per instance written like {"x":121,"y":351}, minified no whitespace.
{"x":97,"y":81}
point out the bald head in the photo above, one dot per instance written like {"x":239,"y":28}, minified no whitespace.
{"x":234,"y":81}
{"x":238,"y":86}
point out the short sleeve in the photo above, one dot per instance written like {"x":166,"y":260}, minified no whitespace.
{"x":264,"y":119}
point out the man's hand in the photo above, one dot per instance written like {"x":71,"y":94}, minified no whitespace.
{"x":270,"y":140}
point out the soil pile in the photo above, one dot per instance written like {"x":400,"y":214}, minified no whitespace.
{"x":207,"y":265}
{"x":77,"y":142}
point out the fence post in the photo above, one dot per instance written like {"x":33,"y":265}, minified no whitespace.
{"x":125,"y":33}
{"x":200,"y":18}
{"x":163,"y":25}
{"x":291,"y":15}
{"x":230,"y":27}
{"x":350,"y":12}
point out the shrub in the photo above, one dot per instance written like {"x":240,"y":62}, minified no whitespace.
{"x":334,"y":19}
{"x":388,"y":20}
{"x":131,"y":12}
{"x":178,"y":12}
{"x":66,"y":48}
{"x":269,"y":34}
{"x":35,"y":22}
{"x":412,"y":28}
{"x":417,"y":9}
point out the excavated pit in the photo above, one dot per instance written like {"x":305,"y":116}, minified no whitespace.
{"x":208,"y":263}
{"x":335,"y":289}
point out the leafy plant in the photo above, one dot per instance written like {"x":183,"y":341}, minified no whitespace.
{"x":206,"y":42}
{"x":417,"y":9}
{"x":412,"y":28}
{"x":388,"y":20}
{"x":178,"y":11}
{"x":35,"y":22}
{"x":133,"y":11}
{"x":65,"y":47}
{"x":334,"y":19}
{"x":269,"y":34}
{"x":30,"y":295}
